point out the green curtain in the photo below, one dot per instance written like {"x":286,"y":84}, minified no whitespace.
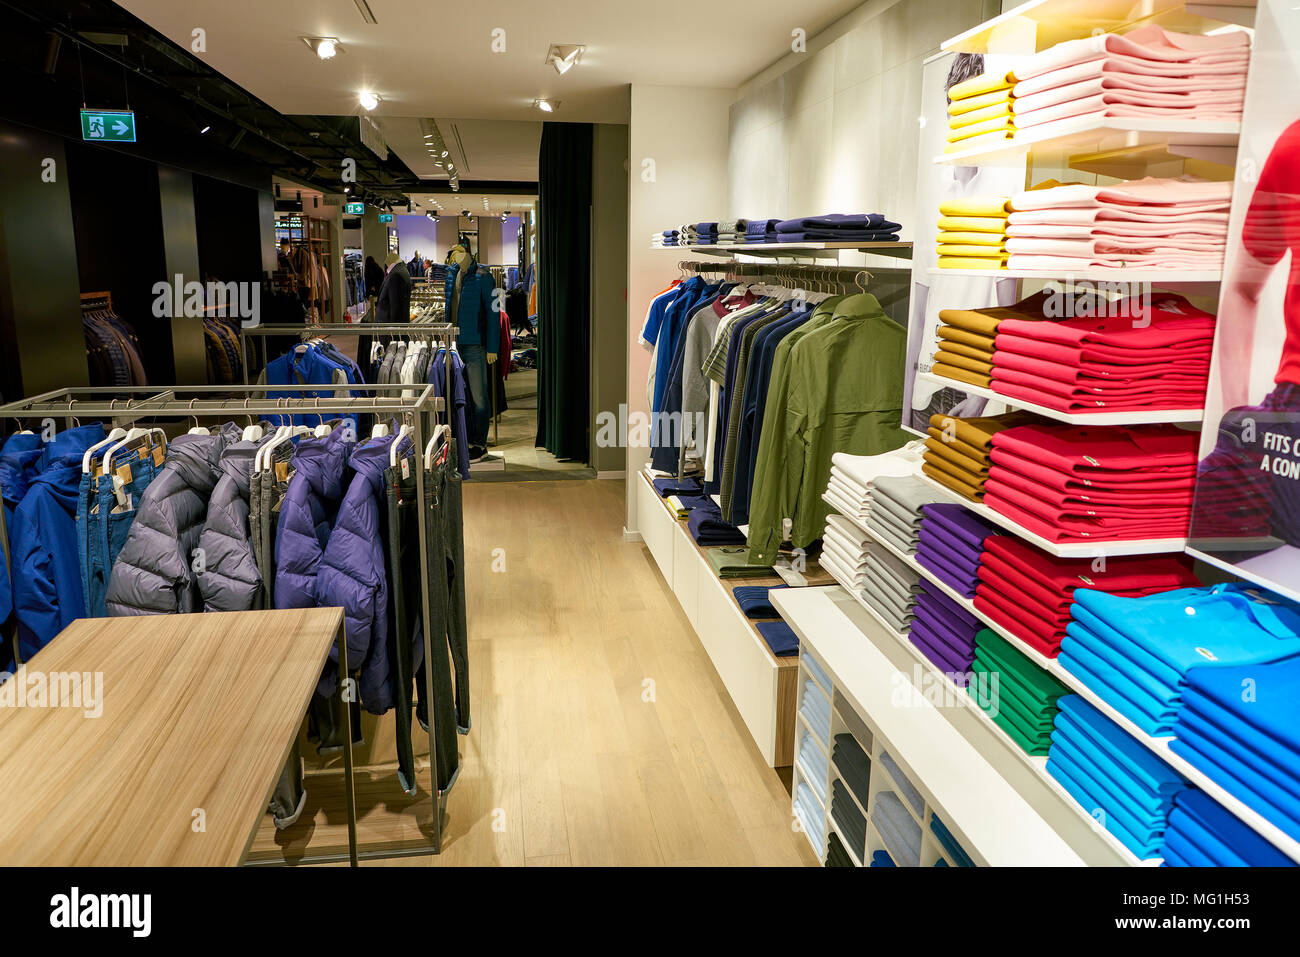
{"x":564,"y":290}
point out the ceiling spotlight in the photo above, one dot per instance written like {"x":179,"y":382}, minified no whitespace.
{"x":563,"y":56}
{"x":545,"y":105}
{"x":368,"y":100}
{"x":205,"y":129}
{"x":347,"y":189}
{"x":443,"y":154}
{"x":324,"y":47}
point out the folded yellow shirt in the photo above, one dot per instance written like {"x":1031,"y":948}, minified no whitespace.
{"x":986,"y":204}
{"x":979,"y":116}
{"x":971,"y":238}
{"x":994,"y":125}
{"x":961,"y":349}
{"x":972,"y":339}
{"x":973,"y":223}
{"x":983,"y":141}
{"x":961,"y":249}
{"x":984,"y":83}
{"x":982,"y":366}
{"x":972,"y":262}
{"x":979,"y":102}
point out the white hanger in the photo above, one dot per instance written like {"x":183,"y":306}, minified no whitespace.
{"x":392,"y":452}
{"x":199,"y":430}
{"x":252,"y":433}
{"x":261,"y":451}
{"x":112,"y":437}
{"x":119,"y":484}
{"x":323,"y":430}
{"x":439,"y":434}
{"x":283,"y":434}
{"x":130,"y":436}
{"x":379,"y":431}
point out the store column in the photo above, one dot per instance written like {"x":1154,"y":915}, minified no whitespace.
{"x":181,"y":254}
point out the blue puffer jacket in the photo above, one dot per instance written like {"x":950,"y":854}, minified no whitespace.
{"x":47,"y":589}
{"x":19,"y":464}
{"x":353,"y":575}
{"x":311,"y":502}
{"x":154,"y":572}
{"x":475,"y":314}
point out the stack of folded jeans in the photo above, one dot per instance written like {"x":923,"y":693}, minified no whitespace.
{"x":1071,"y":483}
{"x":849,"y":819}
{"x":1019,"y":696}
{"x":852,"y":764}
{"x":1144,"y":352}
{"x":708,"y":527}
{"x":951,"y":545}
{"x":896,"y":509}
{"x":898,"y":828}
{"x":1202,"y":833}
{"x":836,"y":853}
{"x":944,"y":631}
{"x":1136,"y":653}
{"x":1028,"y":592}
{"x":756,"y":601}
{"x":1238,"y":725}
{"x":957,"y":450}
{"x":956,"y":853}
{"x":761,"y":230}
{"x":1107,"y":771}
{"x":854,"y":476}
{"x":838,"y":227}
{"x":890,"y":587}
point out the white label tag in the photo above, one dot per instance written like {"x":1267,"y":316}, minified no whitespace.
{"x":406,"y":468}
{"x":787,"y":526}
{"x":788,"y":574}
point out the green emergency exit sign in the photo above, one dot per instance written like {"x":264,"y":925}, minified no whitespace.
{"x":109,"y":126}
{"x":385,"y":217}
{"x":354,"y":209}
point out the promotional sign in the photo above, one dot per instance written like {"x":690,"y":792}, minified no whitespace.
{"x":108,"y":126}
{"x":1246,"y":516}
{"x":354,"y":209}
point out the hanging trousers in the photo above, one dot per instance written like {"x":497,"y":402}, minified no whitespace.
{"x":408,"y":612}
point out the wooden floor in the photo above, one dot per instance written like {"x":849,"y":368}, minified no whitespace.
{"x":601,"y":734}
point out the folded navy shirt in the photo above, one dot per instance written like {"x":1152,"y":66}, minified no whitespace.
{"x":840,"y":235}
{"x":837,"y":221}
{"x":674,"y":486}
{"x":780,"y":637}
{"x":708,"y":527}
{"x":755,"y":602}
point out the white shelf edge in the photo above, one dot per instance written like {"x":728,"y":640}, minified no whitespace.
{"x":1149,"y":131}
{"x":1112,"y":549}
{"x":1141,"y":417}
{"x":1093,"y":274}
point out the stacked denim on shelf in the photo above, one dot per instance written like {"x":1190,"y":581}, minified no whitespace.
{"x":1118,"y":781}
{"x":1137,"y":654}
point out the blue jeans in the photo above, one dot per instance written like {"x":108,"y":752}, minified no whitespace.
{"x":480,"y":399}
{"x":88,"y":531}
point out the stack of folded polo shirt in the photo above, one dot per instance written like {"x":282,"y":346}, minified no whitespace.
{"x":732,"y":562}
{"x":979,"y":112}
{"x":957,"y":449}
{"x":972,"y":232}
{"x":1078,"y":483}
{"x":1147,"y":223}
{"x":836,"y":853}
{"x":882,"y":859}
{"x":1029,"y":592}
{"x":1146,"y":352}
{"x":844,"y":552}
{"x":1238,"y":725}
{"x":854,"y":476}
{"x":676,"y":486}
{"x":967,"y":338}
{"x":943,"y":630}
{"x":700,"y":234}
{"x":1106,"y":770}
{"x":780,"y":637}
{"x":852,"y":764}
{"x":1149,"y":72}
{"x":1135,"y":653}
{"x":951,"y":545}
{"x":1202,"y":833}
{"x":896,"y":503}
{"x":849,"y":819}
{"x":838,"y":227}
{"x":666,"y":238}
{"x":1018,"y":695}
{"x":708,"y":527}
{"x":760,"y":230}
{"x":889,"y":587}
{"x":756,"y":600}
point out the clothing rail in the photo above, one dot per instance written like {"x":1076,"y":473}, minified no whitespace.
{"x":412,"y":330}
{"x":82,"y":401}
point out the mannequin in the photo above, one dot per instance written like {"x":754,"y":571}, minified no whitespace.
{"x":469,"y":297}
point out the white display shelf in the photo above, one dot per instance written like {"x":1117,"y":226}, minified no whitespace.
{"x":1111,"y":134}
{"x":1159,"y":746}
{"x":959,"y":779}
{"x":1039,"y":24}
{"x":1245,"y":572}
{"x":1140,"y":417}
{"x":898,"y":250}
{"x":1095,"y":274}
{"x":1135,"y":546}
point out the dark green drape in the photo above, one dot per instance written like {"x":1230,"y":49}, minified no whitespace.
{"x":564,"y":289}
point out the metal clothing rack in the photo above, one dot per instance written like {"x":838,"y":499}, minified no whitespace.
{"x":121,"y":406}
{"x":411,"y":330}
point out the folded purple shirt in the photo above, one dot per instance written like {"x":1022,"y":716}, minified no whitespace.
{"x":957,"y":551}
{"x":959,"y":579}
{"x":936,"y":651}
{"x":958,"y":521}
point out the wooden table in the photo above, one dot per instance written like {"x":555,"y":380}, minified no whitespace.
{"x":198,"y":713}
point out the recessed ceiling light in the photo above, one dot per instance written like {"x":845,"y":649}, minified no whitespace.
{"x":563,"y":56}
{"x":368,"y":100}
{"x":204,"y":130}
{"x":545,"y":105}
{"x":327,"y":48}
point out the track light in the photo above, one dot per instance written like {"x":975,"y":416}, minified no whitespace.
{"x":368,"y":100}
{"x":327,"y":48}
{"x":563,"y":56}
{"x":205,"y":129}
{"x":545,"y":105}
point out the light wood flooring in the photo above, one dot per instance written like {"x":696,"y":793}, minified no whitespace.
{"x":601,"y":733}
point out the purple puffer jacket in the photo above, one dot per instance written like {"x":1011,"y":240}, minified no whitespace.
{"x":353,"y":574}
{"x":311,"y":503}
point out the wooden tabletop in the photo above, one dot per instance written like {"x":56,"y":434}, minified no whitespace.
{"x":195,"y":722}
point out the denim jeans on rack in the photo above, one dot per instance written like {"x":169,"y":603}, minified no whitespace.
{"x":88,"y":532}
{"x":480,"y":399}
{"x":408,"y":616}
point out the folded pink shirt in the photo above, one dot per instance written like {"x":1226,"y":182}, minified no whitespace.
{"x":1149,"y":43}
{"x":1116,"y":90}
{"x":1133,"y":73}
{"x":1159,"y":217}
{"x":1200,"y":230}
{"x":1118,"y":262}
{"x":1148,"y":191}
{"x":1105,"y":105}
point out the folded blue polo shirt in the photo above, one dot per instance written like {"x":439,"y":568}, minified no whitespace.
{"x":1219,"y":834}
{"x":755,"y":600}
{"x":780,"y":637}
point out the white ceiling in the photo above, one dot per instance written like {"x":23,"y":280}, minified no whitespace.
{"x":481,"y":149}
{"x":450,"y":205}
{"x":426,"y":59}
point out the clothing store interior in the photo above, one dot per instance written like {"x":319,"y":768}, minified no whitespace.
{"x":811,"y":438}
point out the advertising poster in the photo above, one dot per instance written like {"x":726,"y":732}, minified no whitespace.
{"x":1246,"y":516}
{"x":931,"y":289}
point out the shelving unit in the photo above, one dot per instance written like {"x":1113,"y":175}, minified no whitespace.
{"x":898,"y":250}
{"x":1156,"y":277}
{"x":1210,"y":140}
{"x":1142,"y":416}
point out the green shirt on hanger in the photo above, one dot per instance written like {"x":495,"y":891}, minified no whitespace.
{"x":842,"y":392}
